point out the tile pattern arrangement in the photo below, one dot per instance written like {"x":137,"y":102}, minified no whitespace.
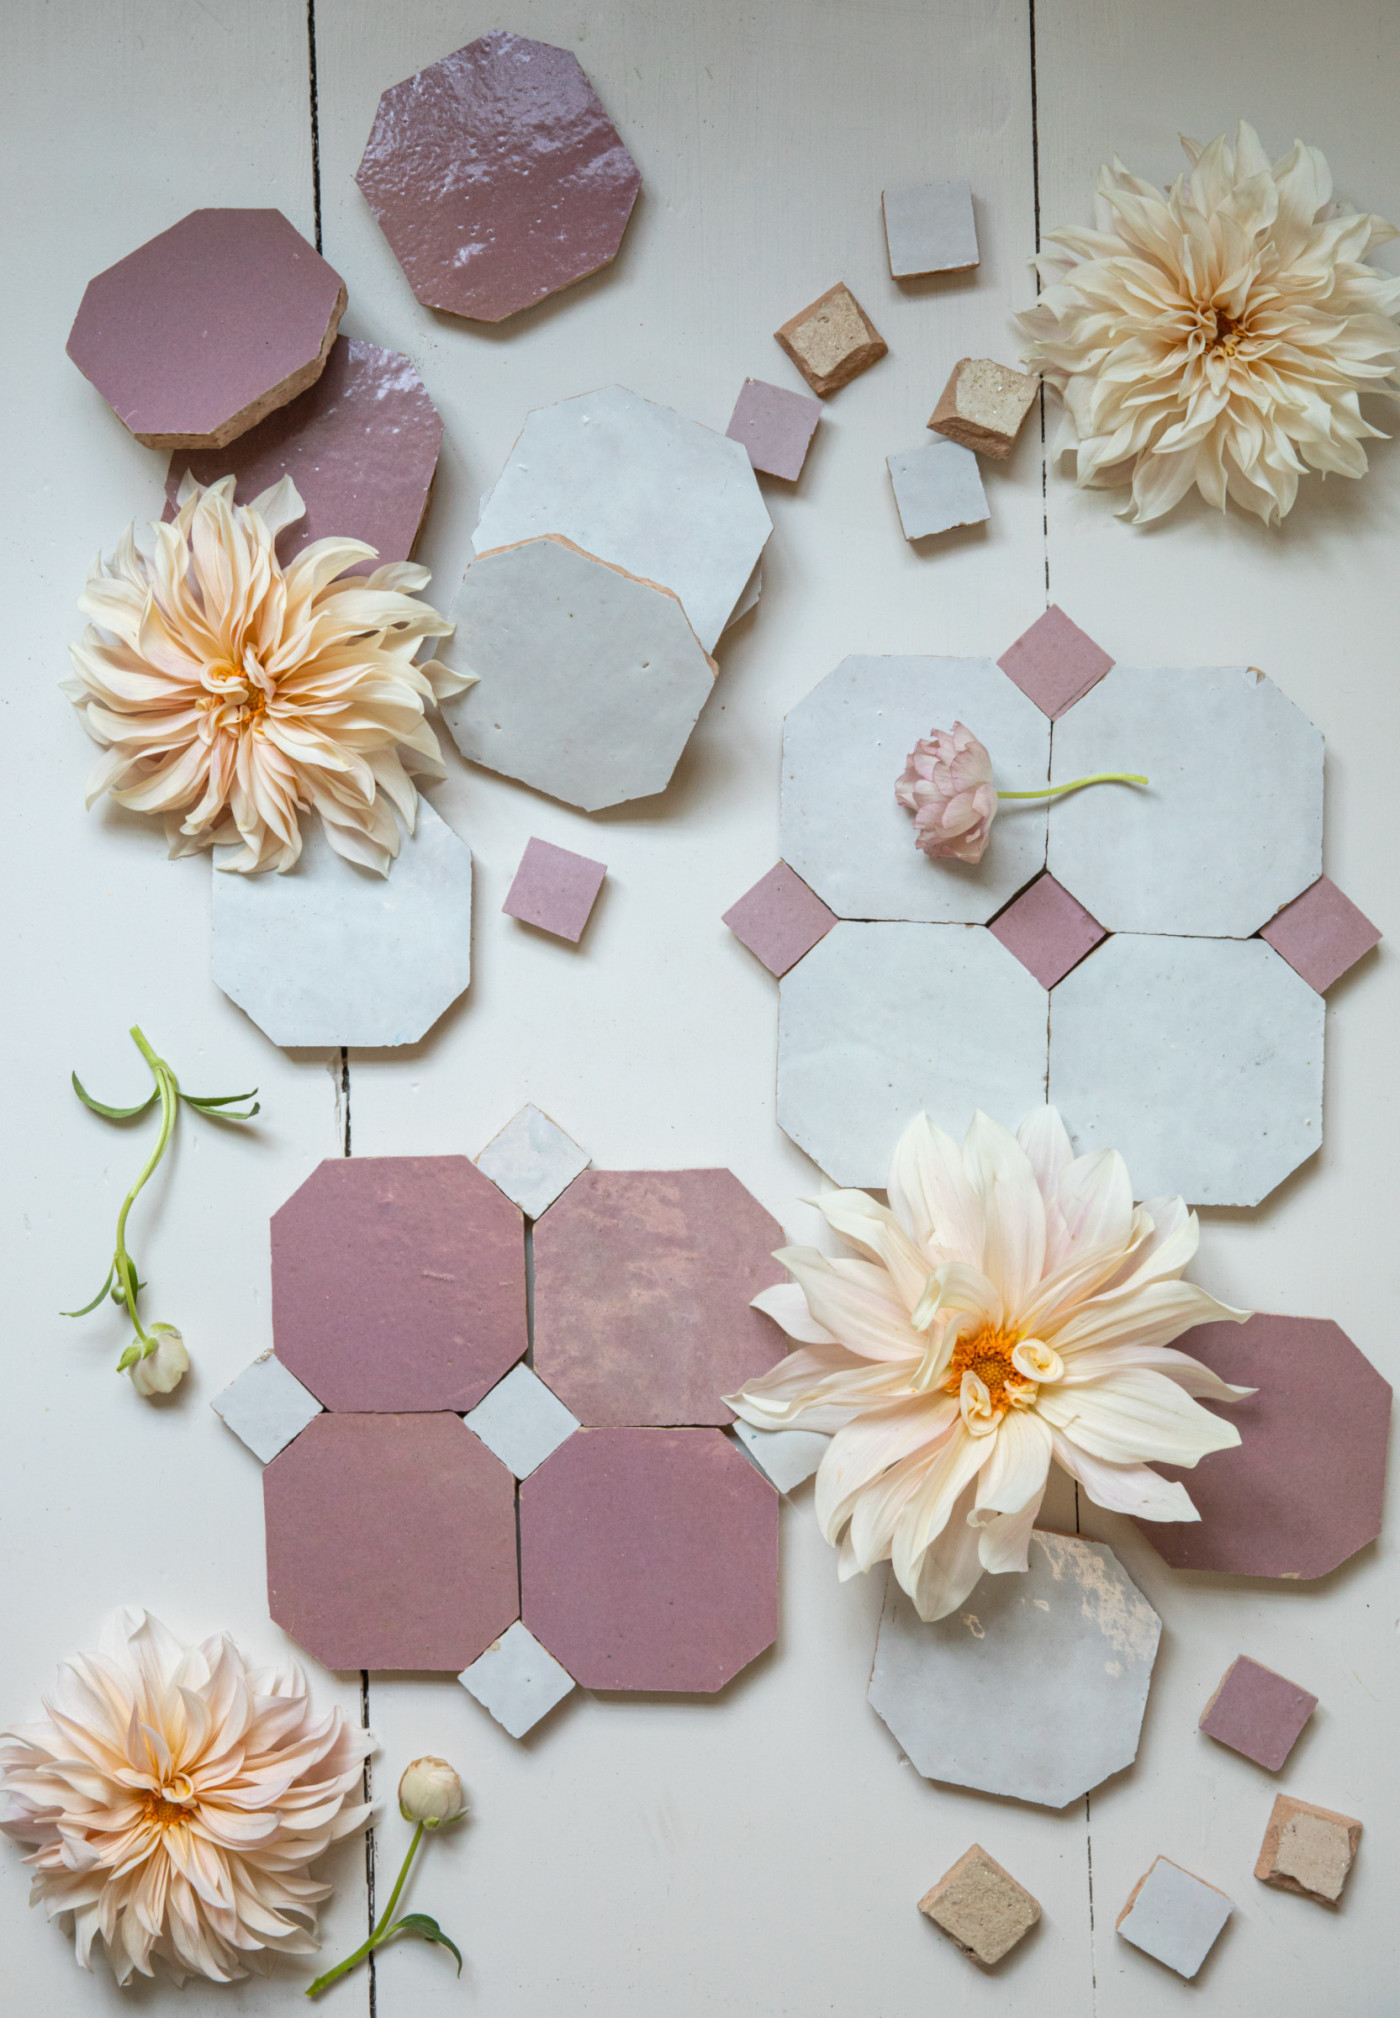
{"x":1308,"y":1850}
{"x":1174,"y":1916}
{"x":555,"y":890}
{"x":1257,"y":1712}
{"x":980,"y":1907}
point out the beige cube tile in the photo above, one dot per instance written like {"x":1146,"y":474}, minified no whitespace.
{"x":832,"y":340}
{"x":1308,"y":1850}
{"x":983,"y":405}
{"x":980,"y":1906}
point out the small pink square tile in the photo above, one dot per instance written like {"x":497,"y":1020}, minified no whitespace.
{"x":1257,"y":1712}
{"x":1048,"y":930}
{"x":1321,"y":934}
{"x":1055,"y":663}
{"x":775,"y":426}
{"x":554,"y":889}
{"x":779,"y":920}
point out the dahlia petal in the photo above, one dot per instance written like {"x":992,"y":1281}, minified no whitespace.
{"x":1013,"y":1250}
{"x":1125,"y":1488}
{"x":1019,"y":1464}
{"x":1003,"y":1539}
{"x":786,"y":1304}
{"x":1136,"y":1414}
{"x":950,"y":1567}
{"x":933,"y":1196}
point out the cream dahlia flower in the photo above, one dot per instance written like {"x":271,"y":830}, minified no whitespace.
{"x":231,"y":694}
{"x":1011,"y":1308}
{"x":175,"y":1801}
{"x":1218,"y":335}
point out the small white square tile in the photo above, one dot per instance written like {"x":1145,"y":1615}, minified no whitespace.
{"x":517,"y":1680}
{"x":522,"y":1421}
{"x":532,"y":1160}
{"x":266,"y":1406}
{"x":929,"y":228}
{"x":785,"y":1456}
{"x":1175,"y":1917}
{"x":937,"y":486}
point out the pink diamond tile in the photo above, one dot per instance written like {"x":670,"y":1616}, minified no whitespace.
{"x":398,"y":1283}
{"x":649,"y":1559}
{"x":361,"y":446}
{"x":1305,"y":1488}
{"x":1055,"y":662}
{"x":1048,"y":930}
{"x":1257,"y":1712}
{"x":779,"y":920}
{"x":1321,"y":934}
{"x":643,"y":1282}
{"x":201,"y":332}
{"x":390,"y":1542}
{"x":776,"y":427}
{"x":497,"y":177}
{"x":555,"y":889}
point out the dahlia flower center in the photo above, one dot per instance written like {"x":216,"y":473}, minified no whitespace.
{"x":987,"y":1352}
{"x":237,"y":698}
{"x":1223,"y":333}
{"x":162,"y":1810}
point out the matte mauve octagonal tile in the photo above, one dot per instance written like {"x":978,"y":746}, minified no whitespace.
{"x":649,"y":1559}
{"x":201,"y":332}
{"x":390,"y":1542}
{"x":398,"y":1283}
{"x":497,"y":177}
{"x":643,"y":1281}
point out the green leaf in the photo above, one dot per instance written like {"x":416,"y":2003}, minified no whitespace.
{"x":96,"y":1300}
{"x":129,"y":1358}
{"x":219,"y":1109}
{"x":424,"y":1928}
{"x":112,"y":1113}
{"x":218,"y":1099}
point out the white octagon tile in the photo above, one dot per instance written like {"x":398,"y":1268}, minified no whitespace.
{"x":266,"y":1406}
{"x":786,"y":1457}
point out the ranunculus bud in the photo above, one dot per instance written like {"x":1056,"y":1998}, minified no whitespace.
{"x":947,"y":786}
{"x":161,"y":1371}
{"x":431,"y":1793}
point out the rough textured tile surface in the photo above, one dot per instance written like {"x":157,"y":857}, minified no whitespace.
{"x":983,"y":406}
{"x":780,"y":919}
{"x":641,"y":487}
{"x":332,"y":954}
{"x":649,"y":1559}
{"x":1048,"y":930}
{"x":517,"y":1681}
{"x":937,"y":486}
{"x":1257,"y":1712}
{"x":1200,"y":1060}
{"x":398,"y":1283}
{"x":1321,"y":934}
{"x":554,"y":889}
{"x":532,"y":1160}
{"x":521,"y":1421}
{"x":980,"y":1907}
{"x":497,"y":177}
{"x":844,"y":746}
{"x":832,"y":340}
{"x":1174,"y":1917}
{"x":361,"y":446}
{"x":643,"y":1281}
{"x":390,"y":1542}
{"x":929,"y":228}
{"x":201,"y":332}
{"x":1075,"y":1614}
{"x":881,"y":1021}
{"x":1308,"y":1850}
{"x":775,"y":426}
{"x":266,"y":1406}
{"x":786,"y":1457}
{"x":1306,"y":1487}
{"x":1230,"y":826}
{"x":1056,"y":664}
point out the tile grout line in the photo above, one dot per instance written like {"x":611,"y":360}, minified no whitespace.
{"x":315,"y":119}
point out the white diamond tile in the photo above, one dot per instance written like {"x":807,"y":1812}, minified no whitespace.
{"x":266,"y":1406}
{"x":522,"y":1421}
{"x":517,"y":1680}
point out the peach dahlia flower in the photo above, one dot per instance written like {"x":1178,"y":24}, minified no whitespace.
{"x":1010,"y":1308}
{"x":231,"y":694}
{"x":175,"y":1800}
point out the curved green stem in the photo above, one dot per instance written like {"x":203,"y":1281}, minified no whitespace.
{"x":381,"y":1930}
{"x":168,"y":1088}
{"x":1099,"y":778}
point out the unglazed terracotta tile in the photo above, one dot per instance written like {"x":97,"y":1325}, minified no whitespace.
{"x":642,"y":1287}
{"x":1174,"y":1916}
{"x":200,"y":333}
{"x":929,"y":228}
{"x":1048,"y":930}
{"x":1308,"y":1850}
{"x":1074,"y":1615}
{"x":983,"y":406}
{"x":266,"y":1406}
{"x":398,"y":1283}
{"x":361,"y":446}
{"x":532,"y":1160}
{"x":980,"y":1907}
{"x":1257,"y":1712}
{"x":1321,"y":934}
{"x":1306,"y":1487}
{"x":517,"y":1680}
{"x":775,"y":426}
{"x":521,"y":1421}
{"x":779,"y":920}
{"x":1056,"y":664}
{"x":786,"y":1457}
{"x":390,"y":1542}
{"x":832,"y":340}
{"x":649,"y":1559}
{"x":937,"y":486}
{"x":554,"y":889}
{"x":497,"y":177}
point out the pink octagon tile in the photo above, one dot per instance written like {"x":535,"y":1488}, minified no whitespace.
{"x":390,"y":1542}
{"x":1257,"y":1712}
{"x":1305,"y":1488}
{"x":776,"y":427}
{"x":1055,"y":663}
{"x":779,"y":920}
{"x":643,"y":1281}
{"x":361,"y":447}
{"x":497,"y":177}
{"x":198,"y":334}
{"x":649,"y":1559}
{"x":555,"y":889}
{"x":1048,"y":930}
{"x":398,"y":1283}
{"x":1321,"y":934}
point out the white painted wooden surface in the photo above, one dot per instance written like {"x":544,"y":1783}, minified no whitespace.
{"x":762,"y":1855}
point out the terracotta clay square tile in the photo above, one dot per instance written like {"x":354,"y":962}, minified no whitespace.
{"x":398,"y":1283}
{"x":832,"y":340}
{"x":1054,"y":662}
{"x":1308,"y":1850}
{"x":555,"y":890}
{"x":643,"y":1286}
{"x":390,"y":1542}
{"x":983,"y":405}
{"x":1174,"y":1916}
{"x":200,"y":333}
{"x":649,"y":1559}
{"x":779,"y":920}
{"x":775,"y":426}
{"x":980,"y":1907}
{"x":1321,"y":934}
{"x":1048,"y":930}
{"x":1257,"y":1712}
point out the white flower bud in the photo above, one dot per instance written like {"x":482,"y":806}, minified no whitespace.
{"x":431,"y":1793}
{"x":161,"y":1371}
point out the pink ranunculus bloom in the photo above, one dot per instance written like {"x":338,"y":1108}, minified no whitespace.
{"x":947,"y":786}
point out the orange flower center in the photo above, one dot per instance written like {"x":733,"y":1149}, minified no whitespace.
{"x":163,"y":1812}
{"x":987,"y":1353}
{"x":1224,"y":333}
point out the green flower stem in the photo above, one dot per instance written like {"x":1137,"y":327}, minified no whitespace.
{"x":381,"y":1931}
{"x":1099,"y":778}
{"x":168,"y":1088}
